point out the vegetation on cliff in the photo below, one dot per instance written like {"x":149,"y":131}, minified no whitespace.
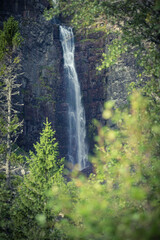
{"x":120,"y":200}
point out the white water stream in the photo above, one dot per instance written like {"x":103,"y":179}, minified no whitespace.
{"x":77,"y":147}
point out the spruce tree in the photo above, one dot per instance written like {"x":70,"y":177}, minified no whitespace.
{"x":44,"y":168}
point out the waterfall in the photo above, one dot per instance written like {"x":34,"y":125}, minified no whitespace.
{"x":77,"y":147}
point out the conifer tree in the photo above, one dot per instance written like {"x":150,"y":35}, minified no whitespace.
{"x":9,"y":71}
{"x":44,"y":169}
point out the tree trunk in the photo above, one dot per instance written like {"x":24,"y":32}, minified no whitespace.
{"x":8,"y":157}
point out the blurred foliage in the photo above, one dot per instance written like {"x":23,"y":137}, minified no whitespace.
{"x":121,"y":199}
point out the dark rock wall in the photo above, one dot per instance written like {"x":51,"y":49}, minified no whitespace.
{"x":42,"y":81}
{"x":98,"y":87}
{"x":43,"y":90}
{"x":88,"y":54}
{"x":24,"y":8}
{"x":119,"y":77}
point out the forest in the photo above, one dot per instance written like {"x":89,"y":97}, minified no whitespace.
{"x":120,"y":199}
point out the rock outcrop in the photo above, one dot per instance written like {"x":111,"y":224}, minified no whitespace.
{"x":23,"y":8}
{"x":98,"y":87}
{"x":42,"y":83}
{"x":43,"y":89}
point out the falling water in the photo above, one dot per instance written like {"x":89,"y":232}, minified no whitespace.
{"x":77,"y":147}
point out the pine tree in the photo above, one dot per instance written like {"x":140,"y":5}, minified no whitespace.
{"x":44,"y":168}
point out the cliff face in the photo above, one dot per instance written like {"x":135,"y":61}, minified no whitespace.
{"x":43,"y":90}
{"x":98,"y":87}
{"x":23,"y":8}
{"x":88,"y":54}
{"x":41,"y":62}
